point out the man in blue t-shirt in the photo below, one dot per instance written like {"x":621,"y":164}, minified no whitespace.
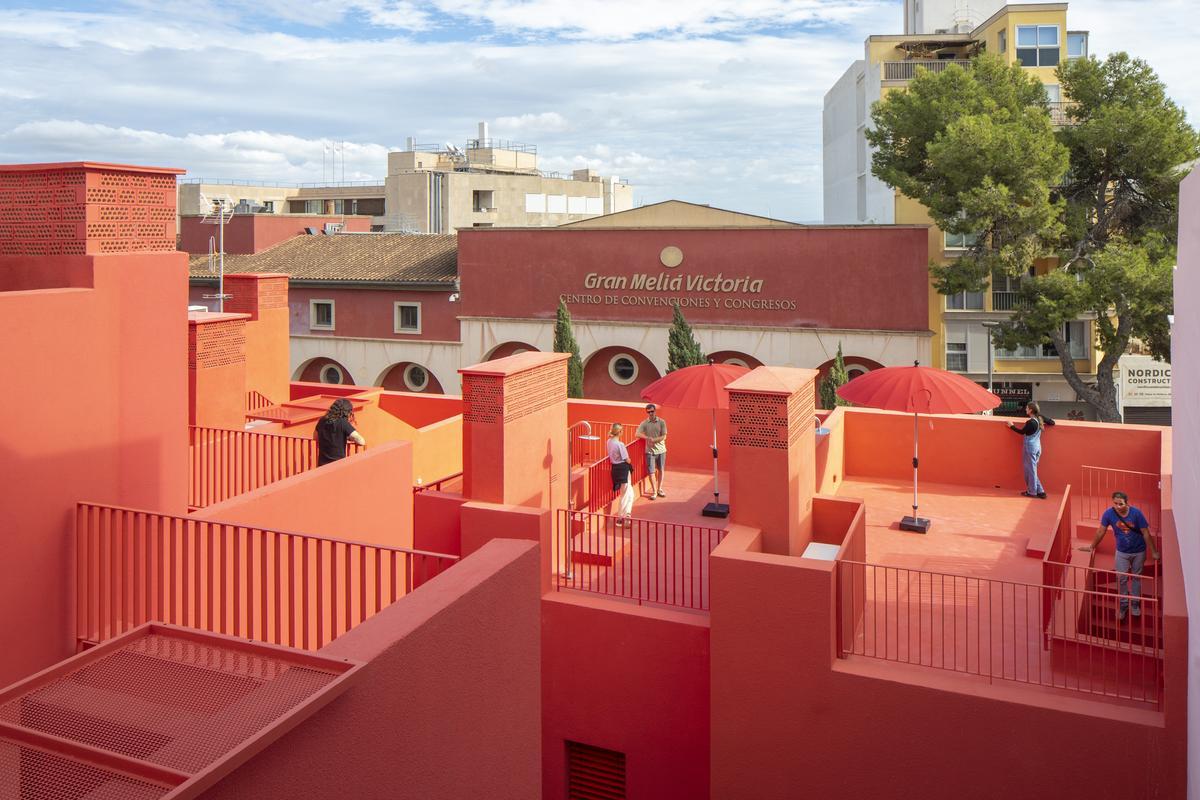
{"x":1132,"y":531}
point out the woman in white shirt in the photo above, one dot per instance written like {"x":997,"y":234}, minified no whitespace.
{"x":618,"y":457}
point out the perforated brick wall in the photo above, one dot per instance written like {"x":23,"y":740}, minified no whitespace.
{"x":216,"y":344}
{"x":83,"y":210}
{"x":483,"y":398}
{"x":758,"y":420}
{"x":251,"y":294}
{"x":529,"y":392}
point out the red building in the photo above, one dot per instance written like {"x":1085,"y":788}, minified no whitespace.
{"x":450,"y":612}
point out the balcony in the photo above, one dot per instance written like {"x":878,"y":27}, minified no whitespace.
{"x":907,"y":70}
{"x":1007,"y":301}
{"x":1058,"y":114}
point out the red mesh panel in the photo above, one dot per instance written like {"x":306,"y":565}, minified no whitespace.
{"x":483,"y":398}
{"x":32,"y":774}
{"x":528,"y":392}
{"x":179,"y":702}
{"x":85,"y":210}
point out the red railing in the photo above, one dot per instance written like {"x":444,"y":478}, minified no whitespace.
{"x":1058,"y":554}
{"x":272,"y":586}
{"x":588,"y":440}
{"x":256,"y":401}
{"x":994,"y":629}
{"x":1144,"y":490}
{"x":599,"y":476}
{"x":646,"y":561}
{"x":448,"y":483}
{"x":224,"y":463}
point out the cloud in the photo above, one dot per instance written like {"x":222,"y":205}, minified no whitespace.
{"x":545,"y":122}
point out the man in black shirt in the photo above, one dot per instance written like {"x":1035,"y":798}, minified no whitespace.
{"x":333,"y":430}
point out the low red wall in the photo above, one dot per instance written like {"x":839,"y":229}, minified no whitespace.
{"x":982,"y":451}
{"x":448,"y":705}
{"x":867,"y":728}
{"x":689,"y":431}
{"x":437,"y":522}
{"x":630,"y":679}
{"x":364,"y":498}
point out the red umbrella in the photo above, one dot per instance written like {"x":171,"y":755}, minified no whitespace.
{"x":701,"y":386}
{"x":918,"y":390}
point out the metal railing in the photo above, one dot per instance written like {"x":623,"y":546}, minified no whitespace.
{"x":272,"y":586}
{"x":994,"y":629}
{"x":600,"y":491}
{"x":500,"y":144}
{"x":588,"y":440}
{"x":907,"y":70}
{"x":1059,"y":113}
{"x":1144,"y":490}
{"x":1007,"y":301}
{"x":281,"y":184}
{"x":223,"y":463}
{"x":646,"y":561}
{"x":441,"y":484}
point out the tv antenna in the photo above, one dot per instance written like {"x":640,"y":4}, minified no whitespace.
{"x":221,"y":211}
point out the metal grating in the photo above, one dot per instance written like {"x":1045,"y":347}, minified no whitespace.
{"x":594,"y":773}
{"x":163,"y":704}
{"x":32,"y":774}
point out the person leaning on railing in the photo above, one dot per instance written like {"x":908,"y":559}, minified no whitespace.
{"x":622,"y":472}
{"x":333,"y":430}
{"x":1132,"y":532}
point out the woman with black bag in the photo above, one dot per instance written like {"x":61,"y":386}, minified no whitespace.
{"x":622,"y":470}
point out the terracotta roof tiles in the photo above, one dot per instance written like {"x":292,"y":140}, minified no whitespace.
{"x":365,"y":257}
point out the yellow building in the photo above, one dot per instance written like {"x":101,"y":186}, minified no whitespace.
{"x":940,"y":33}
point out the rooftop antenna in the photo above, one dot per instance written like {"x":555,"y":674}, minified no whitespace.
{"x":221,"y":212}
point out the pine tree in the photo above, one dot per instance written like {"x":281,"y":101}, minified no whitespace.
{"x":837,"y":376}
{"x":682,"y":348}
{"x":564,"y":342}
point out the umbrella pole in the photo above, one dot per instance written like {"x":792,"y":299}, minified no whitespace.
{"x":915,"y":523}
{"x":715,"y":508}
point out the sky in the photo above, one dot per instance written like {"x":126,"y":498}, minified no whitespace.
{"x":710,"y":101}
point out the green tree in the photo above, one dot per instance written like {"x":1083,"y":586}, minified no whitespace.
{"x":682,"y":348}
{"x":829,"y":384}
{"x":976,"y":147}
{"x":564,"y":342}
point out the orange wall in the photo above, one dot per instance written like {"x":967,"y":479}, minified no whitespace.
{"x":630,"y":679}
{"x":830,"y":453}
{"x":841,"y":728}
{"x":448,"y":705}
{"x":364,"y":498}
{"x":93,"y":429}
{"x":689,"y":432}
{"x":981,"y":451}
{"x":420,"y":410}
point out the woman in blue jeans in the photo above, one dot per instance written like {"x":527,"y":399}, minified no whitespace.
{"x":1032,"y":448}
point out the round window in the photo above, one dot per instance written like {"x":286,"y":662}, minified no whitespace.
{"x":853,"y":372}
{"x":737,"y":362}
{"x":416,"y":378}
{"x":331,"y":374}
{"x":623,"y":369}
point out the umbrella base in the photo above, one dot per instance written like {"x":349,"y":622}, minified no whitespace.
{"x":915,"y":524}
{"x":716,"y":510}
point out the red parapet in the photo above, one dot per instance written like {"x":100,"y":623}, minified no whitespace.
{"x":85,"y":208}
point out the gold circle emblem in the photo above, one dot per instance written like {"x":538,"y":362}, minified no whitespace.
{"x":671,"y":256}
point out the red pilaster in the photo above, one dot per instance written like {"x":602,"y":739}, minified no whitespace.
{"x":264,"y":298}
{"x":771,"y":439}
{"x":217,"y":369}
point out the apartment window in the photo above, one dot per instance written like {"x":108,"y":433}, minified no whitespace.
{"x":1077,"y":44}
{"x":623,"y":369}
{"x":320,"y":315}
{"x":416,"y":378}
{"x":1037,"y":45}
{"x":535,"y":204}
{"x":956,"y":356}
{"x":314,"y":206}
{"x":964,"y":301}
{"x":1074,"y":332}
{"x":1002,"y":41}
{"x":408,"y":318}
{"x":268,"y":206}
{"x":481,"y":200}
{"x":960,"y":241}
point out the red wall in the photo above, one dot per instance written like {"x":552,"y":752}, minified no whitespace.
{"x":597,"y":382}
{"x":369,"y":313}
{"x":312,"y":372}
{"x":522,"y":273}
{"x":253,"y":233}
{"x":364,"y":498}
{"x":448,"y":705}
{"x":845,"y":728}
{"x":630,"y":679}
{"x":689,"y":431}
{"x":100,"y":415}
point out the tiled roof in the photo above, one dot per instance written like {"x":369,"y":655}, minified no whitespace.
{"x":375,"y":257}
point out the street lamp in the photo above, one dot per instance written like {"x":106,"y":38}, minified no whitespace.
{"x":989,"y":326}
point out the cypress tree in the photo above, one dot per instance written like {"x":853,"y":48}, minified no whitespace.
{"x":829,"y":384}
{"x":564,"y":342}
{"x":682,"y":348}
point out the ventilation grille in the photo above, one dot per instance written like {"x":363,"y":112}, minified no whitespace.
{"x":594,"y":773}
